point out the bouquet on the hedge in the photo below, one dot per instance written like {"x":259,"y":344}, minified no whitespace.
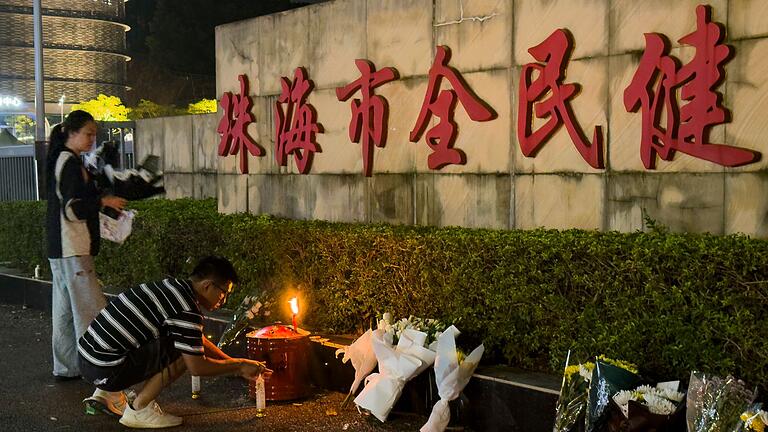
{"x":402,"y":352}
{"x":753,"y":420}
{"x":253,"y":310}
{"x":659,"y":408}
{"x":580,"y":389}
{"x":452,"y":373}
{"x":716,"y":404}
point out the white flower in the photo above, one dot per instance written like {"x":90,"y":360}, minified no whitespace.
{"x":643,"y":389}
{"x":672,"y":395}
{"x":249,"y":314}
{"x":387,"y":317}
{"x":585,"y":373}
{"x":659,"y":405}
{"x":246,"y":300}
{"x":622,"y":399}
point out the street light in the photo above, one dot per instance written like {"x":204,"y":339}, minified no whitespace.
{"x":61,"y":105}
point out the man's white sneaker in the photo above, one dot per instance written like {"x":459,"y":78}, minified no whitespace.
{"x":150,"y":417}
{"x":112,"y":403}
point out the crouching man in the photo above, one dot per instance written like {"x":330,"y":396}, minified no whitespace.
{"x":152,"y":334}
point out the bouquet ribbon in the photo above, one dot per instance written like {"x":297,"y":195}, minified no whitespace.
{"x":397,"y":365}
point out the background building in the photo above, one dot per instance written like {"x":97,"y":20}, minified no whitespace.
{"x":84,"y":54}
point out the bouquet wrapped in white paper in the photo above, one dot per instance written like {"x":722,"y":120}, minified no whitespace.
{"x":397,"y":364}
{"x":116,"y":229}
{"x":451,"y":376}
{"x":360,"y":353}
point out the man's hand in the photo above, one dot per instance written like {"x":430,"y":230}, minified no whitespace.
{"x":251,"y":369}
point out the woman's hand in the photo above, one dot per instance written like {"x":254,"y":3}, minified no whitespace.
{"x":114,"y":202}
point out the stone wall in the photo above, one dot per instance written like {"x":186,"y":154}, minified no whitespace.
{"x":186,"y":146}
{"x":498,"y":187}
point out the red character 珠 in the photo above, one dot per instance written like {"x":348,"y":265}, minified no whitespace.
{"x":442,"y":103}
{"x":369,"y":115}
{"x":555,"y":50}
{"x":234,"y":124}
{"x":653,"y":90}
{"x":296,"y":126}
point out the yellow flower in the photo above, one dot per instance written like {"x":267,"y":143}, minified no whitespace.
{"x":619,"y":363}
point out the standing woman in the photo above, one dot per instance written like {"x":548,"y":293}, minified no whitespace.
{"x":74,"y":203}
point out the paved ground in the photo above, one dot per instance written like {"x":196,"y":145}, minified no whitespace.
{"x":30,"y":400}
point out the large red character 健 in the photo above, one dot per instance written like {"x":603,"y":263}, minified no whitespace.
{"x":233,"y":131}
{"x":555,"y":50}
{"x":296,"y":126}
{"x":441,"y":137}
{"x":687,"y":129}
{"x":369,"y":115}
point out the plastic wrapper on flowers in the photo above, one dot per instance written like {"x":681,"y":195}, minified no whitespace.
{"x":250,"y":313}
{"x":753,"y":420}
{"x":608,"y":378}
{"x":451,"y":376}
{"x":397,"y":364}
{"x":716,"y":404}
{"x":572,"y":401}
{"x":363,"y":359}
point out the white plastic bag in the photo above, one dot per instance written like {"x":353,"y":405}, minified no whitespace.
{"x":116,"y":230}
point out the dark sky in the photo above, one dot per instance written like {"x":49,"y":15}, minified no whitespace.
{"x":171,"y":43}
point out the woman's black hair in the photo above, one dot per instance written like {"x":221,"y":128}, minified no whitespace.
{"x":59,"y":134}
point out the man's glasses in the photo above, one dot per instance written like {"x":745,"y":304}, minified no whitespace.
{"x":226,"y":292}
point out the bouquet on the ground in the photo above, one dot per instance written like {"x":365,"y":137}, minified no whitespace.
{"x":402,"y":352}
{"x":608,"y":378}
{"x":648,"y":408}
{"x":574,"y":398}
{"x":452,"y":373}
{"x":251,"y":313}
{"x":753,"y":420}
{"x":360,"y":353}
{"x":716,"y":404}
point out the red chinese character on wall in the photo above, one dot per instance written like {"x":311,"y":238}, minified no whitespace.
{"x":297,"y":125}
{"x":369,"y":115}
{"x":555,"y":51}
{"x":234,"y":124}
{"x":441,"y":137}
{"x":654,"y":90}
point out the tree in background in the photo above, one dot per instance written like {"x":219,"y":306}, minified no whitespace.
{"x":148,"y":109}
{"x":203,"y":106}
{"x":104,"y":108}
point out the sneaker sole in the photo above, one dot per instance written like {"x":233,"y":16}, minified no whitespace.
{"x":146,"y":426}
{"x":96,"y":407}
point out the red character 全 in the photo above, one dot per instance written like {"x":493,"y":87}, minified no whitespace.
{"x":441,"y":137}
{"x":296,"y":126}
{"x":653,"y":90}
{"x":555,"y":50}
{"x":234,"y":124}
{"x":369,"y":115}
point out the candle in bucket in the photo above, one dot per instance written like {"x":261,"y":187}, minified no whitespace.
{"x":294,"y":302}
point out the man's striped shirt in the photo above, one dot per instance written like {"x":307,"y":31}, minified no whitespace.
{"x":140,"y":315}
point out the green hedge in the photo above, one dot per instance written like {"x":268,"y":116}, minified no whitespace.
{"x":669,"y":302}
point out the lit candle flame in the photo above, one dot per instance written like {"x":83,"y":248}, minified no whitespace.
{"x":294,"y":302}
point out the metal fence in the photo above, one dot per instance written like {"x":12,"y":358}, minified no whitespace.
{"x":17,"y":173}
